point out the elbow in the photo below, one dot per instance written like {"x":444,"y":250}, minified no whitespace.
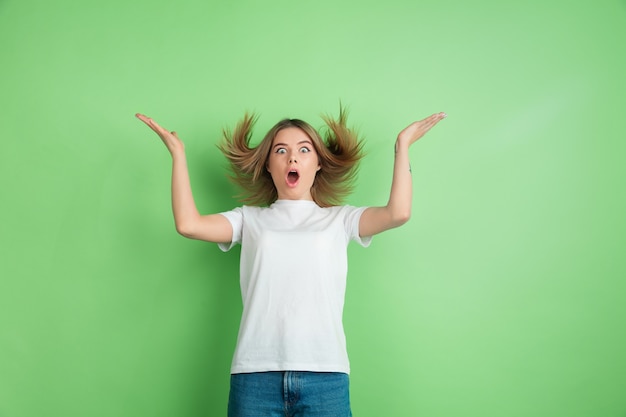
{"x":184,"y":230}
{"x":400,"y":215}
{"x":401,"y":218}
{"x":396,"y":217}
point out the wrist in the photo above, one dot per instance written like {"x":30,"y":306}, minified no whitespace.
{"x":178,"y":154}
{"x":401,"y":145}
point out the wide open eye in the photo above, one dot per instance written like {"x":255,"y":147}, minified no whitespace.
{"x":281,"y":150}
{"x":304,"y":149}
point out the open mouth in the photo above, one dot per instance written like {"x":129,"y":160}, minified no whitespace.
{"x":292,"y":178}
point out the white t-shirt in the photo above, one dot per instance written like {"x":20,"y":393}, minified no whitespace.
{"x":293,"y":279}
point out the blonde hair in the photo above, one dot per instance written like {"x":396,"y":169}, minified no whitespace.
{"x":339,"y":153}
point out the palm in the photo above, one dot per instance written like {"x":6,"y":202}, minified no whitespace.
{"x":170,"y":139}
{"x":413,"y":132}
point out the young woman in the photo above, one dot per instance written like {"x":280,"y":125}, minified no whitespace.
{"x":290,"y":358}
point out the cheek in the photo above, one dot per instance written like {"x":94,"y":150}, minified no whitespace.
{"x":318,"y":165}
{"x":269,"y":167}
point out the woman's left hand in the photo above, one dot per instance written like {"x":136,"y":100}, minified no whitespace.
{"x":416,"y":130}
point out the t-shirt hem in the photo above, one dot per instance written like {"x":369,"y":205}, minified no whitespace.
{"x":289,"y":367}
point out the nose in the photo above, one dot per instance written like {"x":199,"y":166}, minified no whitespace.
{"x":292,"y":158}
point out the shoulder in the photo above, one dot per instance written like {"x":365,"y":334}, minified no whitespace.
{"x":246,"y":209}
{"x":345,"y":209}
{"x":349,"y":215}
{"x":242,"y":212}
{"x":254,"y":210}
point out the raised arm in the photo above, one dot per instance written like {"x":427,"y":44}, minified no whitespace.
{"x":189,"y":223}
{"x":398,"y":209}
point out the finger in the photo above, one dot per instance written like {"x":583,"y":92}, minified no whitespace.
{"x":151,"y":124}
{"x":427,"y":123}
{"x":146,"y":120}
{"x":423,"y":126}
{"x":433,"y":119}
{"x":439,"y":117}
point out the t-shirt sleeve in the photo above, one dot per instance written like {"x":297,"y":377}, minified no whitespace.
{"x":351,"y":221}
{"x":235,"y":217}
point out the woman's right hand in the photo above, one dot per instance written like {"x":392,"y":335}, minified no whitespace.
{"x":170,"y":139}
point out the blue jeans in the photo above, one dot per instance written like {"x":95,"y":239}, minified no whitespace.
{"x":289,"y":394}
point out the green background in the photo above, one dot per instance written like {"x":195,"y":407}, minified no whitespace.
{"x":504,"y":295}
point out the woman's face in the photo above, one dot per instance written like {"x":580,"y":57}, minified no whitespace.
{"x":293,"y":164}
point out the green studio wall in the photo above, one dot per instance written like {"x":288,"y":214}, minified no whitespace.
{"x":503,"y":296}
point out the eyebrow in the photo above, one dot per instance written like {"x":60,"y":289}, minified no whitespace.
{"x":299,"y":143}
